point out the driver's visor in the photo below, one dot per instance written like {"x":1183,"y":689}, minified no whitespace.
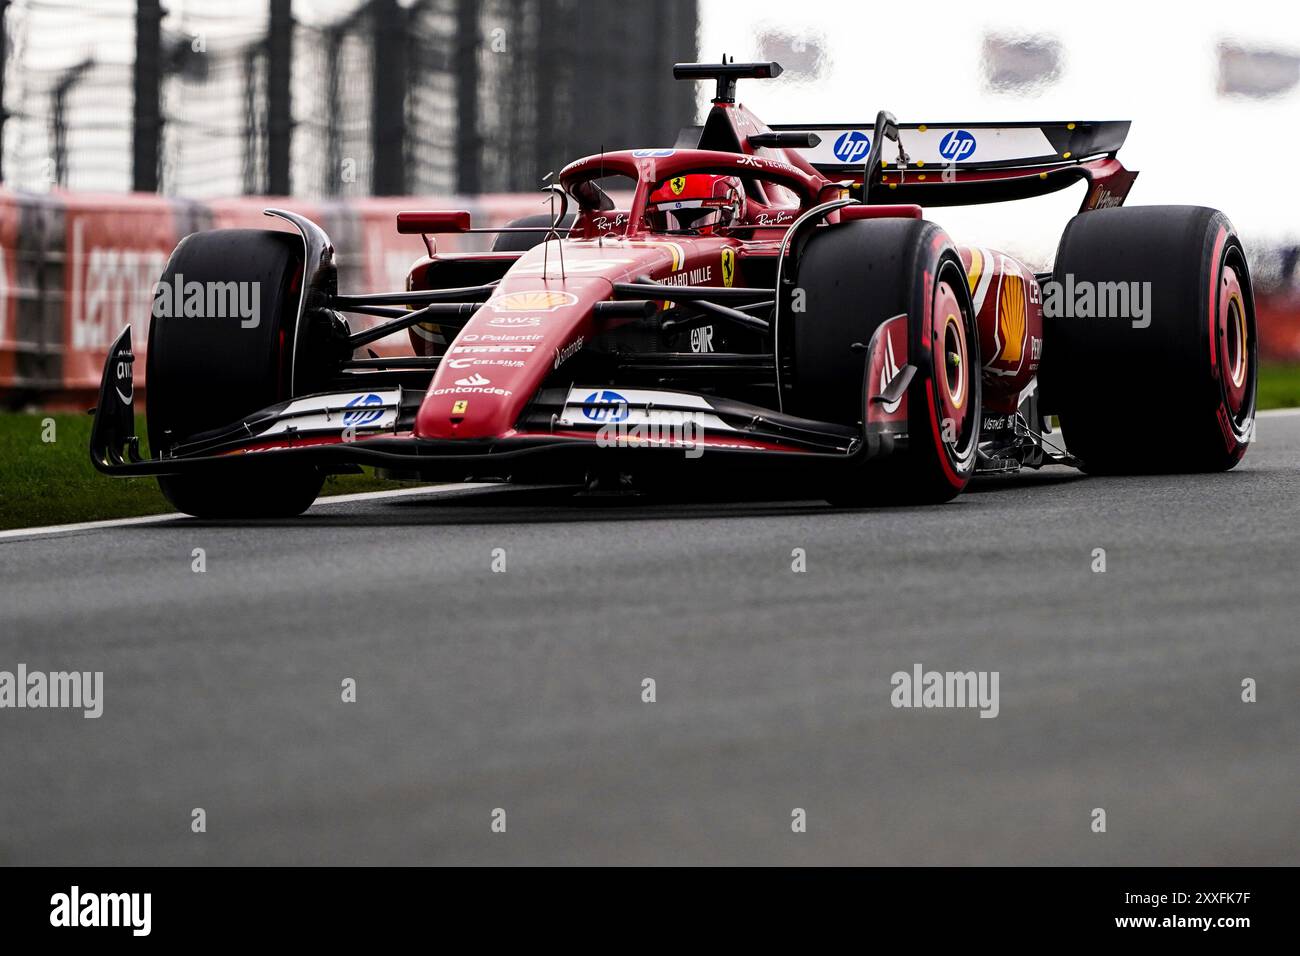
{"x":686,"y":213}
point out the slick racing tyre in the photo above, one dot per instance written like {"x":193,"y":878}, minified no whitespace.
{"x":523,"y":241}
{"x":1167,"y":385}
{"x":854,"y":276}
{"x":205,"y":371}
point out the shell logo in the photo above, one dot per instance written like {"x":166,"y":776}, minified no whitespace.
{"x":1012,"y":319}
{"x":539,"y":301}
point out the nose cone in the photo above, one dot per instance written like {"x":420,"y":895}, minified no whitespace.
{"x":504,"y":354}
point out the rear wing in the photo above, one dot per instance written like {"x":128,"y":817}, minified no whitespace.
{"x":926,"y":164}
{"x":951,"y":164}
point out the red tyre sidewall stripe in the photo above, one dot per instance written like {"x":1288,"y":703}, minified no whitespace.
{"x":1224,"y":413}
{"x":1212,"y":301}
{"x":938,"y":244}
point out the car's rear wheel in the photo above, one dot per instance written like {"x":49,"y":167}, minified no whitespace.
{"x":1168,"y":385}
{"x":206,"y":370}
{"x":854,"y":277}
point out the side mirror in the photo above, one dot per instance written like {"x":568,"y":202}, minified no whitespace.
{"x":424,"y":223}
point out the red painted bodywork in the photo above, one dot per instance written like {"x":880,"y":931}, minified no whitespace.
{"x":1009,"y":311}
{"x":542,"y":309}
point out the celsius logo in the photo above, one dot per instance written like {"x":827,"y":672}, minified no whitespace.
{"x":957,"y":145}
{"x":852,"y":146}
{"x":365,"y":413}
{"x":605,"y":406}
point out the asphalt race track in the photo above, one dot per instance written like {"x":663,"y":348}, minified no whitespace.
{"x":522,"y":690}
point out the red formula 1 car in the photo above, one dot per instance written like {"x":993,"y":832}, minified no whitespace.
{"x":762,"y":298}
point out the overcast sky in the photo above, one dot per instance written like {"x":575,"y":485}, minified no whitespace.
{"x":1152,"y":63}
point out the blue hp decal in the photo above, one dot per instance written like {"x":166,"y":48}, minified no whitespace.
{"x":652,"y":153}
{"x":957,"y":145}
{"x":605,"y":406}
{"x":852,"y":147}
{"x":364,"y":414}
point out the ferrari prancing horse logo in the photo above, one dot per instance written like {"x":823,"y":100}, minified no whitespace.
{"x":728,"y":267}
{"x":677,"y":184}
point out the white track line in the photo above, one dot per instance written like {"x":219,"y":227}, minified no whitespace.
{"x":408,"y":492}
{"x":452,"y":489}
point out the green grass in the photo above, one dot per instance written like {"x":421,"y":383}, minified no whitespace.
{"x":53,"y":482}
{"x":1279,"y":386}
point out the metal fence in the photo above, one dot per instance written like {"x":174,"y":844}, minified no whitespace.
{"x":328,"y":98}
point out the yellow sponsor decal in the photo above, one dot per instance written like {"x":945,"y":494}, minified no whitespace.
{"x":728,"y":267}
{"x":677,"y":184}
{"x":976,"y":269}
{"x":539,"y":301}
{"x":459,"y":407}
{"x":1012,"y":319}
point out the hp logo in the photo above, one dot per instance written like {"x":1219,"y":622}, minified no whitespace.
{"x":852,"y":147}
{"x":605,"y":406}
{"x":363,"y":415}
{"x":957,"y":145}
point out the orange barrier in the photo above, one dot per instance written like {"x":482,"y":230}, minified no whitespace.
{"x":76,"y":268}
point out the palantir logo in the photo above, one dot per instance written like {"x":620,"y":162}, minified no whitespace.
{"x":363,"y":417}
{"x":957,"y":145}
{"x":852,"y":147}
{"x":605,"y":406}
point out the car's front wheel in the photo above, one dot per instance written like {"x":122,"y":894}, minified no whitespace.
{"x":207,"y":367}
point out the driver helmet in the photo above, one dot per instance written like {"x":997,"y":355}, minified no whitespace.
{"x":700,"y":203}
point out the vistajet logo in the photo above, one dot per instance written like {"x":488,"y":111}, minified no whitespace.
{"x":76,"y":690}
{"x":74,"y":909}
